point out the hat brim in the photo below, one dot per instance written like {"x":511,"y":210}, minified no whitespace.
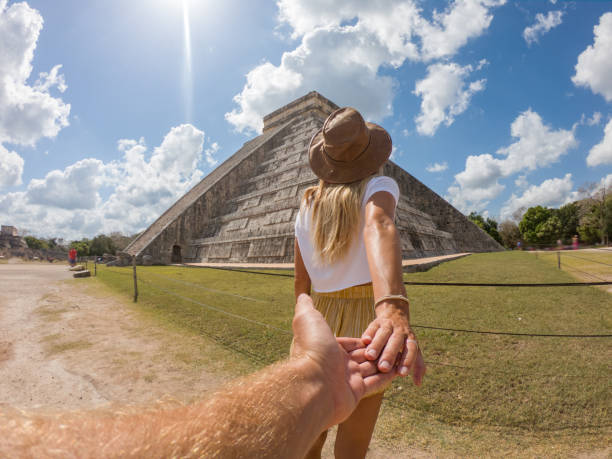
{"x":368,"y":163}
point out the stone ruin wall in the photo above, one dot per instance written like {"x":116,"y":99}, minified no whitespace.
{"x":466,"y":236}
{"x":257,"y":224}
{"x":195,"y":220}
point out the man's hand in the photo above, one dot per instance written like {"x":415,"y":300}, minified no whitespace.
{"x":341,"y":364}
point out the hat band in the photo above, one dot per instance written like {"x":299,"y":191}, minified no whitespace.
{"x":339,"y":163}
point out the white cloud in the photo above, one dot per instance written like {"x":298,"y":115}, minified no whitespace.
{"x":11,"y":168}
{"x":607,"y":182}
{"x":595,"y":119}
{"x":521,"y":182}
{"x":91,"y":197}
{"x":343,"y":48}
{"x":542,"y":25}
{"x":444,"y":95}
{"x":27,"y":113}
{"x":76,"y":187}
{"x":451,"y":29}
{"x":551,"y":193}
{"x":594,"y":65}
{"x":602,"y":152}
{"x":437,"y":167}
{"x":537,"y":145}
{"x":210,"y":154}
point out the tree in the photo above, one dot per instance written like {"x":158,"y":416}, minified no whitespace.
{"x":509,"y":233}
{"x":549,"y":231}
{"x":35,"y":243}
{"x":569,"y":215}
{"x":120,"y":241}
{"x":536,"y":227}
{"x":489,"y":225}
{"x":100,"y":245}
{"x":595,"y":215}
{"x":82,"y":247}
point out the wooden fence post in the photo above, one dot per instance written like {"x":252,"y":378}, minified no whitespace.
{"x":135,"y":279}
{"x":96,"y":267}
{"x":559,"y":260}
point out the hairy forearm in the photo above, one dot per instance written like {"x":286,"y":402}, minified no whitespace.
{"x":275,"y":413}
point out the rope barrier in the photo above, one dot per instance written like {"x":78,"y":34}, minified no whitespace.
{"x":209,"y":289}
{"x":486,"y":332}
{"x":457,"y":330}
{"x":239,"y":270}
{"x":453,"y":284}
{"x":236,"y":316}
{"x":473,"y":284}
{"x":506,"y":373}
{"x":571,"y":268}
{"x":586,"y":259}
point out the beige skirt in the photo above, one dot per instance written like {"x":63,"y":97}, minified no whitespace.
{"x":348,"y":312}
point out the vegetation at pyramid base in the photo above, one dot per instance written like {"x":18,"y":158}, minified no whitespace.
{"x":98,"y":246}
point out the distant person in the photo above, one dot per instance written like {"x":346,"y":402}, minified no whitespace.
{"x":277,"y":412}
{"x":518,"y":245}
{"x":575,"y":242}
{"x":347,"y":249}
{"x":72,"y":255}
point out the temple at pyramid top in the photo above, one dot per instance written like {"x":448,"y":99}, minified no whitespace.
{"x":244,"y":210}
{"x":313,"y":101}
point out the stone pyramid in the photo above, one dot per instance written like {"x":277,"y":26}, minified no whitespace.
{"x":244,"y":211}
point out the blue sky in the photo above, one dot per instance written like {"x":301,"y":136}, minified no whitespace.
{"x":111,"y":111}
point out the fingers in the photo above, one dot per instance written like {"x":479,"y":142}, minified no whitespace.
{"x":408,"y":357}
{"x":303,"y":305}
{"x":378,"y":342}
{"x":350,"y":344}
{"x":368,"y":368}
{"x":418,"y":369}
{"x":370,"y":332}
{"x":377,"y":382}
{"x":393,"y":348}
{"x":359,"y":356}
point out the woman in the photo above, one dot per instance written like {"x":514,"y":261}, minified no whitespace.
{"x":347,"y":249}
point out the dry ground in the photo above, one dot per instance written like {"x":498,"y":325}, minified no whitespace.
{"x":66,"y":344}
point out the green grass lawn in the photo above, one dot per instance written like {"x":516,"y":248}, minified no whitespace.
{"x":591,"y":265}
{"x":480,"y":391}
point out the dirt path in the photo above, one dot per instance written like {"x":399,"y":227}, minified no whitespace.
{"x":64,"y":346}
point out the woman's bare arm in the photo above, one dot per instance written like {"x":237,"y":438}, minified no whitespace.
{"x":302,"y":279}
{"x":389,"y":334}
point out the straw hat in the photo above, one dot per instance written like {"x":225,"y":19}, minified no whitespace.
{"x":347,"y":149}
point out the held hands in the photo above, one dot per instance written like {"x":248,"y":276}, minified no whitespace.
{"x":340,"y":363}
{"x":390,"y":339}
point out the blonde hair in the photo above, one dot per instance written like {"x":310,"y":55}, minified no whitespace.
{"x":336,"y":214}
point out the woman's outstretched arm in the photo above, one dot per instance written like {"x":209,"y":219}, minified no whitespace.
{"x":302,"y":279}
{"x":389,"y":335}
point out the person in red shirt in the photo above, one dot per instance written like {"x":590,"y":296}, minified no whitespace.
{"x":72,"y":254}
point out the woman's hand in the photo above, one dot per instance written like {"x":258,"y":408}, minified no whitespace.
{"x":390,"y":337}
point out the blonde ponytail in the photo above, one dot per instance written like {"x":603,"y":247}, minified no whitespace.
{"x":336,"y":216}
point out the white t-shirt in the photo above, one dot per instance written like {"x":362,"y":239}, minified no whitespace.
{"x":353,"y":268}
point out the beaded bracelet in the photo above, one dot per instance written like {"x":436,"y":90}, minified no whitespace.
{"x":391,"y":297}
